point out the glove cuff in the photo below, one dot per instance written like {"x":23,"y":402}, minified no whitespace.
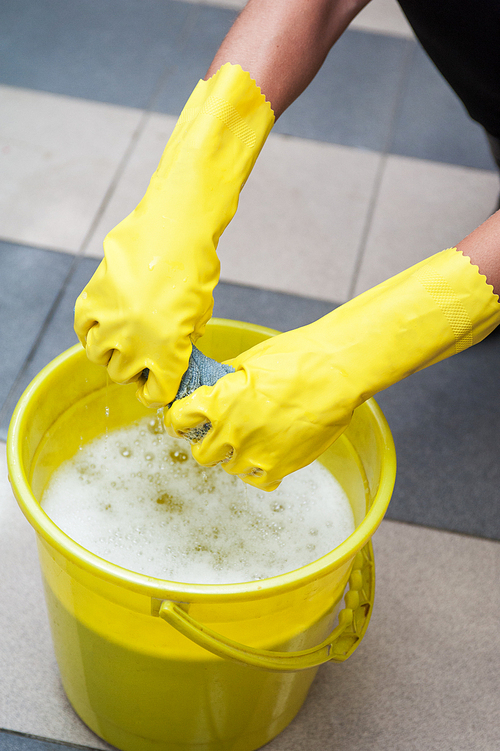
{"x":226,"y":117}
{"x":208,"y":158}
{"x":429,"y":312}
{"x":232,"y":99}
{"x":463,"y":296}
{"x":438,"y":308}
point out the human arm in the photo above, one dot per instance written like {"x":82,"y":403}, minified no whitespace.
{"x":482,"y":246}
{"x":283,"y":43}
{"x":293,"y":395}
{"x":152,"y":294}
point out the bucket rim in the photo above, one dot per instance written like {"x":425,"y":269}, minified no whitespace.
{"x":162,"y":588}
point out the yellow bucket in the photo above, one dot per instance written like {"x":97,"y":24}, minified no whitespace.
{"x":153,"y":665}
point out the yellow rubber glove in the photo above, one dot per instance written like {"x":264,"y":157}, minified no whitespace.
{"x":151,"y":296}
{"x":291,"y":396}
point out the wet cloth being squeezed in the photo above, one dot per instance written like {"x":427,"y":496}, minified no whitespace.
{"x":202,"y":371}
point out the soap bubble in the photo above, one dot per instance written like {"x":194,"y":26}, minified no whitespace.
{"x":178,"y":519}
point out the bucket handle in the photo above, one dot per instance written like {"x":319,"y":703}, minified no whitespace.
{"x":342,"y":642}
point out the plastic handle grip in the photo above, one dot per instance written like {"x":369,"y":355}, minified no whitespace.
{"x":342,"y":642}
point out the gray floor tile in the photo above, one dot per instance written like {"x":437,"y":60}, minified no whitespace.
{"x":118,"y":51}
{"x":19,"y":742}
{"x":445,"y":426}
{"x":112,"y":52}
{"x":351,"y":101}
{"x":273,"y":309}
{"x":203,"y":36}
{"x":58,"y":336}
{"x":30,"y":280}
{"x":125,"y":52}
{"x":432,"y":122}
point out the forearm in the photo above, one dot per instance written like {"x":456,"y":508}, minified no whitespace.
{"x":283,"y":43}
{"x":292,"y":395}
{"x":482,"y":246}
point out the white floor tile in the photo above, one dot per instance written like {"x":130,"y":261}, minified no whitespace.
{"x":234,"y":4}
{"x":383,"y":17}
{"x":32,"y":699}
{"x":58,"y":155}
{"x":300,"y":217}
{"x":379,"y":16}
{"x":427,"y":674}
{"x":428,"y":669}
{"x":422,"y":208}
{"x":135,"y":179}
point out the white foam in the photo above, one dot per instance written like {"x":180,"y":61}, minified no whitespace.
{"x":137,"y":498}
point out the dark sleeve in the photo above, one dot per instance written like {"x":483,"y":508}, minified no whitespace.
{"x":462,"y":37}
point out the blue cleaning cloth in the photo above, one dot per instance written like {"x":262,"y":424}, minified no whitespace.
{"x":202,"y":371}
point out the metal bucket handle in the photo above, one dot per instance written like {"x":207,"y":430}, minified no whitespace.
{"x":342,"y":642}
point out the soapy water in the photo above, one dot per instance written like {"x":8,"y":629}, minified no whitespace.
{"x":137,"y":498}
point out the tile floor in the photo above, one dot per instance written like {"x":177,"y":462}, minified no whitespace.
{"x":375,"y":167}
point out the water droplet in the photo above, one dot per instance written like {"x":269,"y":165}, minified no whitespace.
{"x":178,"y":456}
{"x":155,"y":425}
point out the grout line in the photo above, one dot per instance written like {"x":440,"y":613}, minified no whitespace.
{"x":137,"y":133}
{"x":118,"y":174}
{"x":441,"y":530}
{"x":6,"y":407}
{"x":384,"y":155}
{"x":51,"y":741}
{"x":370,"y":213}
{"x":80,"y":254}
{"x":77,"y":257}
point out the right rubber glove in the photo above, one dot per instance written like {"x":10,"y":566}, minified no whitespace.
{"x":292,"y":395}
{"x":151,"y":296}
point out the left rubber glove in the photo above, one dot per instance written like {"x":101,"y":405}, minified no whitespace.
{"x":151,"y":296}
{"x":291,"y":396}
